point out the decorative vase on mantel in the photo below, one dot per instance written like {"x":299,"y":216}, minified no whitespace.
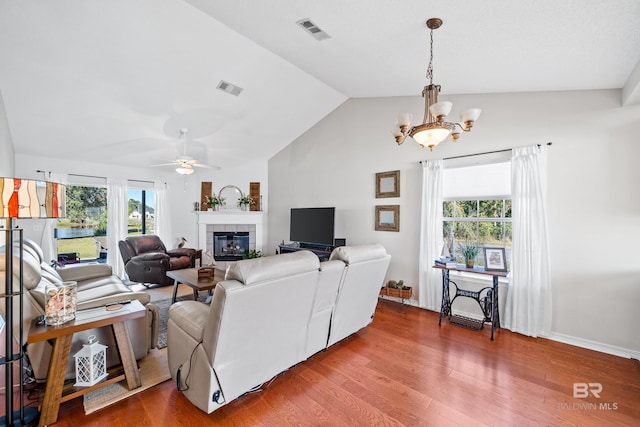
{"x":469,"y":263}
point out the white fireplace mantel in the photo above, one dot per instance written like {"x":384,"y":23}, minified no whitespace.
{"x":231,"y":217}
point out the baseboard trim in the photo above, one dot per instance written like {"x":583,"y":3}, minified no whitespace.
{"x":594,"y":345}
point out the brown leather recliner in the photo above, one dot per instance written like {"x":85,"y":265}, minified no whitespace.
{"x":147,"y":260}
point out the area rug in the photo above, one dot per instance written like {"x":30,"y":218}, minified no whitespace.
{"x":154,"y":370}
{"x":163,"y":310}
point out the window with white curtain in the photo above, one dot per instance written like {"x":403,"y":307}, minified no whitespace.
{"x":477,"y":207}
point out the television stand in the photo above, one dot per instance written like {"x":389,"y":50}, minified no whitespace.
{"x":322,"y":251}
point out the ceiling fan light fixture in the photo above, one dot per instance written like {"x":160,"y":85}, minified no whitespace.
{"x":184,"y":170}
{"x":433,"y":128}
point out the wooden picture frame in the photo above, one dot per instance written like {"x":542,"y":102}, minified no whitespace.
{"x":495,"y":259}
{"x":388,"y":184}
{"x":388,"y":218}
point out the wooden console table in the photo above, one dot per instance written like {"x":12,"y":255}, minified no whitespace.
{"x":55,"y":391}
{"x":488,"y":304}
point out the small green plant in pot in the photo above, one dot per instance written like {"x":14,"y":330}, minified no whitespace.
{"x":244,"y":202}
{"x":214,"y":201}
{"x":469,"y":251}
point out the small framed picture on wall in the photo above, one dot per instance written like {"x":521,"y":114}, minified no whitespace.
{"x":388,"y":218}
{"x":388,"y":184}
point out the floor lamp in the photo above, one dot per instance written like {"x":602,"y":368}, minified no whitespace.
{"x":20,"y":198}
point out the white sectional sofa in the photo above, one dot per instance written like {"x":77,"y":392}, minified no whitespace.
{"x":269,"y":314}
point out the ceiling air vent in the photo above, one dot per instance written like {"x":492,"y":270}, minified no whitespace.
{"x":313,"y":29}
{"x":229,"y":88}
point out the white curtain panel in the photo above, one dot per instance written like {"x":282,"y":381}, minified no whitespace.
{"x":163,"y":215}
{"x":528,"y":305}
{"x":430,"y":279}
{"x":48,"y":242}
{"x":116,"y":222}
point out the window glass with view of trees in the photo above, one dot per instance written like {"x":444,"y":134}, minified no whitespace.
{"x":485,"y":223}
{"x":141,"y":212}
{"x":82,"y":234}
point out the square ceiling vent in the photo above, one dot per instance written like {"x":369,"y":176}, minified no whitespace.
{"x":229,"y":88}
{"x":311,"y":28}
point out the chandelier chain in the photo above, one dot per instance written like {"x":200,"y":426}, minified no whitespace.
{"x":430,"y":67}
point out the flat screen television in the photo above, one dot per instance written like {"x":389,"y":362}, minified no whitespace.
{"x":312,"y":225}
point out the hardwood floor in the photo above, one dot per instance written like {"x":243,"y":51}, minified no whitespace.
{"x":405,"y":370}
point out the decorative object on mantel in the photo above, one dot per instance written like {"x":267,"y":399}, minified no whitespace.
{"x":388,"y":218}
{"x":244,"y":202}
{"x":214,"y":202}
{"x":388,"y":184}
{"x":396,"y":289}
{"x":254,"y":193}
{"x":205,"y":190}
{"x":433,"y":128}
{"x":232,"y":195}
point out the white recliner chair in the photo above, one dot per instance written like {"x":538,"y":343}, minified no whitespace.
{"x":255,"y":328}
{"x":366,"y":267}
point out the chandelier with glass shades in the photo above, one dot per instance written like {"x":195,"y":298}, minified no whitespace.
{"x":433,"y":128}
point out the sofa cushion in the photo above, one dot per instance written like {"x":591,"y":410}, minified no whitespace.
{"x":256,"y":270}
{"x":353,"y":254}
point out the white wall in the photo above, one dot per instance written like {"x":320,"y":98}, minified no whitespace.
{"x":594,"y":210}
{"x":182,"y":193}
{"x":6,"y":145}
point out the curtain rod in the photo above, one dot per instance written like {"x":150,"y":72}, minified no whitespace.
{"x":480,"y":154}
{"x":100,"y":177}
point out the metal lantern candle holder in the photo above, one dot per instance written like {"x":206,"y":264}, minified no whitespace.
{"x":91,"y":363}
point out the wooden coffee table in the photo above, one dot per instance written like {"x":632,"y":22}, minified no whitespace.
{"x":189,"y":276}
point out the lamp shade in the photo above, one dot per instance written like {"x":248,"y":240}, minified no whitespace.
{"x":440,"y":109}
{"x":27,"y":198}
{"x":404,"y":119}
{"x":470,"y":115}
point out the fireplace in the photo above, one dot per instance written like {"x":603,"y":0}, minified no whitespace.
{"x":230,"y":245}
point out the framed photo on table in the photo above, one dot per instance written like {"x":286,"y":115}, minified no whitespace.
{"x":495,"y":259}
{"x":388,"y":184}
{"x":388,"y":218}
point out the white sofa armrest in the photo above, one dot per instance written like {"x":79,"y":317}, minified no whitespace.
{"x":80,"y":272}
{"x":190,"y":317}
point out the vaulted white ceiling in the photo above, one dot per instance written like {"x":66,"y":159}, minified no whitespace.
{"x":114,"y":81}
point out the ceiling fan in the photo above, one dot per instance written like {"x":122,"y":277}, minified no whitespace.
{"x":185,"y":163}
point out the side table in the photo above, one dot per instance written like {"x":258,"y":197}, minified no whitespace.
{"x":62,"y":335}
{"x":488,"y":304}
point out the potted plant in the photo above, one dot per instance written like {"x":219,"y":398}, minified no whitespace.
{"x":213,"y":202}
{"x":469,"y":251}
{"x":244,"y":202}
{"x":396,"y":289}
{"x":252,"y":254}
